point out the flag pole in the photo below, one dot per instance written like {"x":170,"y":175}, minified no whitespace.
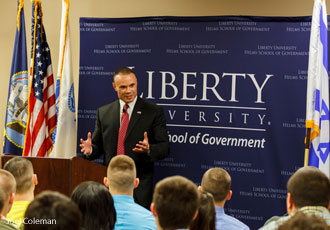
{"x":307,"y":146}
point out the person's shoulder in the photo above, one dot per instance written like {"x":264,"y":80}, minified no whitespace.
{"x":232,"y":221}
{"x":107,"y":106}
{"x":5,"y":225}
{"x":319,"y":211}
{"x":126,"y":202}
{"x":271,"y":219}
{"x":142,"y":209}
{"x":131,"y":215}
{"x":275,"y":224}
{"x":148,"y":104}
{"x":143,"y":213}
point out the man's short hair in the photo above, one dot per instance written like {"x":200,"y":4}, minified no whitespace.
{"x":301,"y":221}
{"x":96,"y":205}
{"x":22,"y":170}
{"x":7,"y":183}
{"x":2,"y":199}
{"x":309,"y":186}
{"x":122,"y":70}
{"x":176,"y":201}
{"x":216,"y":181}
{"x":53,"y":211}
{"x":121,"y":173}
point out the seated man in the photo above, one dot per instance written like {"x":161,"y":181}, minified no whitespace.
{"x":52,"y":211}
{"x":309,"y":193}
{"x":175,"y":203}
{"x":217,"y":181}
{"x":121,"y":180}
{"x":22,"y":170}
{"x":8,"y":189}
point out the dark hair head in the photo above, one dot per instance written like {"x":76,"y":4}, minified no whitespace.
{"x":309,"y":186}
{"x":176,"y":201}
{"x":52,"y":211}
{"x":301,"y":221}
{"x":206,"y":213}
{"x":96,"y":205}
{"x":122,"y":70}
{"x":22,"y":170}
{"x":217,"y":181}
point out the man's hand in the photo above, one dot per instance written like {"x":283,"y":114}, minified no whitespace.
{"x":86,"y":146}
{"x":142,"y":146}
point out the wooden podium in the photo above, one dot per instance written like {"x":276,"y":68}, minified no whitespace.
{"x":63,"y":175}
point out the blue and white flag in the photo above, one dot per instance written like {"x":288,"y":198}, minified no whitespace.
{"x":16,"y":115}
{"x":317,"y":107}
{"x":66,"y":134}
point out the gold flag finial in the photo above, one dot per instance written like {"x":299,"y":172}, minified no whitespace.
{"x":20,"y":7}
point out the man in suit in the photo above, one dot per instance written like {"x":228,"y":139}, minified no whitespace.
{"x":146,"y":138}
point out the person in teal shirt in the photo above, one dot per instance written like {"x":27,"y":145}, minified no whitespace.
{"x":121,"y":180}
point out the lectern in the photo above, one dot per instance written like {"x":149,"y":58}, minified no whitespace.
{"x":63,"y":175}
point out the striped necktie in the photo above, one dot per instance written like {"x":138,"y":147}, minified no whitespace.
{"x":122,"y":131}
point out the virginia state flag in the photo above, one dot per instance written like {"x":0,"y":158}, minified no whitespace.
{"x":66,"y":134}
{"x":317,"y":107}
{"x":16,"y":115}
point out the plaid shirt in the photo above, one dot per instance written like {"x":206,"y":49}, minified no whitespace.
{"x":309,"y":210}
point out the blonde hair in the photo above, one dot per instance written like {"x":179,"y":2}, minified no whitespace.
{"x":121,"y":173}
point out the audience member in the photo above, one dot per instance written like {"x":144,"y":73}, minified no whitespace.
{"x":96,"y":205}
{"x":8,"y":186}
{"x":205,"y":219}
{"x":52,"y":211}
{"x":217,"y":181}
{"x":2,"y":198}
{"x":309,"y":193}
{"x":175,"y":203}
{"x":301,"y":221}
{"x":22,"y":170}
{"x":4,"y":224}
{"x":121,"y":180}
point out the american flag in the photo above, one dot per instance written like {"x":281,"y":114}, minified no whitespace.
{"x":42,"y":110}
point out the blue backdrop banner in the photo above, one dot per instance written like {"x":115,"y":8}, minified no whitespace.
{"x":233,"y":91}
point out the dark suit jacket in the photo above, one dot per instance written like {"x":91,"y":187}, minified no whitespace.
{"x":146,"y":117}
